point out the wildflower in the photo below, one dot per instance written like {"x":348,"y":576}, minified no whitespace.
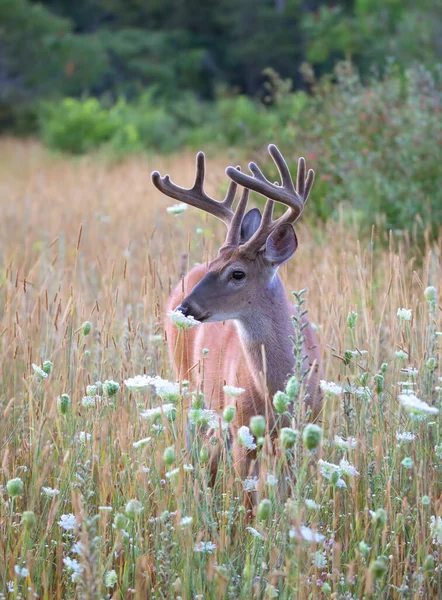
{"x":407,"y":462}
{"x":63,"y":404}
{"x":364,"y":548}
{"x":330,"y":388}
{"x":133,"y":508}
{"x":169,"y":455}
{"x":431,"y":363}
{"x":204,"y":416}
{"x":271,"y":591}
{"x":50,"y":492}
{"x":186,"y":521}
{"x":347,"y":468}
{"x":311,"y":504}
{"x":265,"y":509}
{"x":331,"y":471}
{"x":205,"y":547}
{"x":429,"y":563}
{"x":177,"y":209}
{"x":351,"y":319}
{"x":404,"y":314}
{"x":10,"y":585}
{"x":292,"y":387}
{"x":28,"y":520}
{"x":155,"y":338}
{"x":233,"y":391}
{"x":258,"y":425}
{"x":436,"y":529}
{"x":364,"y":393}
{"x":86,"y":328}
{"x":271,"y":479}
{"x":401,"y":354}
{"x":311,"y":436}
{"x":249,"y":484}
{"x":281,"y":402}
{"x":84,"y":437}
{"x":141,"y":443}
{"x":245,"y":438}
{"x":426,"y":500}
{"x":21,"y":571}
{"x":410,"y":371}
{"x":89,"y":401}
{"x":288,"y":437}
{"x":74,"y":567}
{"x":229,"y":413}
{"x":188,"y":468}
{"x":157,"y":411}
{"x":430,"y":294}
{"x":15,"y":487}
{"x":39,"y":372}
{"x":77,"y":548}
{"x":139,"y":382}
{"x":379,"y":567}
{"x":405,"y":436}
{"x":110,"y":579}
{"x":110,"y":388}
{"x":306,"y":534}
{"x":120,"y":521}
{"x":379,"y":516}
{"x":347,"y":444}
{"x":255,"y":533}
{"x":412,"y":404}
{"x":165,"y":389}
{"x":319,"y":559}
{"x":67,"y":522}
{"x":205,"y":351}
{"x":47,"y":367}
{"x":181,"y":321}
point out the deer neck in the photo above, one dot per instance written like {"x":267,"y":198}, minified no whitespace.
{"x":264,"y":334}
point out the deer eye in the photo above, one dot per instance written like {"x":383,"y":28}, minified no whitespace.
{"x":238,"y":275}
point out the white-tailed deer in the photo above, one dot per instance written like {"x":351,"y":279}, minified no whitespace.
{"x":241,"y":300}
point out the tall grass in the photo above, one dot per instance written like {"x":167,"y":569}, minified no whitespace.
{"x":85,"y":242}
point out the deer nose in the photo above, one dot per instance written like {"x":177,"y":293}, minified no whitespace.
{"x":183,"y":308}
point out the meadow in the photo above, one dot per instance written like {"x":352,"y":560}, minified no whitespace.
{"x":100,"y":496}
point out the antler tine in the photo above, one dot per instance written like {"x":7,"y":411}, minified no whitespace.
{"x":234,"y":231}
{"x":196,"y":196}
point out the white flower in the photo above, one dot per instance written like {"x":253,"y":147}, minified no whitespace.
{"x":341,"y":443}
{"x":410,"y":371}
{"x":347,"y":468}
{"x":188,"y":468}
{"x":77,"y":548}
{"x":311,"y":504}
{"x":177,"y":209}
{"x":306,"y":534}
{"x":404,"y":314}
{"x":249,"y":484}
{"x":105,"y":509}
{"x":67,"y":522}
{"x":141,"y":443}
{"x":412,"y":404}
{"x":255,"y":533}
{"x":405,"y":436}
{"x":74,"y":567}
{"x":155,"y":338}
{"x":401,"y":354}
{"x":233,"y":391}
{"x":327,"y":469}
{"x":245,"y":438}
{"x":47,"y":491}
{"x":21,"y":571}
{"x":207,"y":547}
{"x":186,"y":521}
{"x":331,"y":388}
{"x":172,"y":474}
{"x":84,"y":437}
{"x":181,"y":321}
{"x":157,"y":411}
{"x":364,"y":393}
{"x":271,"y":479}
{"x":10,"y":586}
{"x":39,"y":372}
{"x":319,"y":559}
{"x":165,"y":389}
{"x":436,"y":529}
{"x":110,"y":579}
{"x":139,"y":382}
{"x":90,"y":401}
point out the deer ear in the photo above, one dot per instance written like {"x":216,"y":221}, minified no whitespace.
{"x":250,"y":224}
{"x":281,"y":245}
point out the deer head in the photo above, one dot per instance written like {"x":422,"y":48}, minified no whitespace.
{"x":255,"y":245}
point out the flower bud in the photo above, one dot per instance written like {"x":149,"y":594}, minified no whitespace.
{"x":91,"y":390}
{"x":28,"y":520}
{"x":15,"y":487}
{"x":133,"y":508}
{"x":426,"y":500}
{"x":348,"y":355}
{"x":311,"y":436}
{"x":351,"y":319}
{"x":47,"y":367}
{"x":86,"y":328}
{"x":120,"y":521}
{"x":378,"y":567}
{"x":281,"y":402}
{"x":229,"y":413}
{"x":204,"y":454}
{"x":292,"y":387}
{"x":380,"y":517}
{"x":205,"y":351}
{"x":430,"y":294}
{"x":265,"y":509}
{"x":198,"y":400}
{"x":326,"y":588}
{"x":429,"y":563}
{"x":335,"y":476}
{"x":258,"y":425}
{"x":63,"y":404}
{"x":110,"y":579}
{"x":431,"y":363}
{"x":364,"y":548}
{"x":379,"y":383}
{"x":110,"y":388}
{"x":288,"y":437}
{"x":169,"y":456}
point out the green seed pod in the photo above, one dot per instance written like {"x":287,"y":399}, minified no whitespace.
{"x":364,"y":548}
{"x":133,"y":508}
{"x":258,"y":425}
{"x":198,"y":400}
{"x":204,"y":454}
{"x":292,"y":387}
{"x":430,"y":294}
{"x":120,"y":521}
{"x":28,"y":520}
{"x":63,"y":404}
{"x":15,"y":487}
{"x":429,"y":563}
{"x":229,"y":413}
{"x":426,"y":500}
{"x":334,"y":478}
{"x":379,"y":383}
{"x":380,"y":517}
{"x":288,"y":437}
{"x":326,"y":588}
{"x":110,"y":388}
{"x":265,"y":510}
{"x":311,"y":436}
{"x":281,"y":402}
{"x":47,"y":367}
{"x":379,"y":567}
{"x":169,"y":456}
{"x":431,"y":364}
{"x":86,"y":328}
{"x":352,"y":317}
